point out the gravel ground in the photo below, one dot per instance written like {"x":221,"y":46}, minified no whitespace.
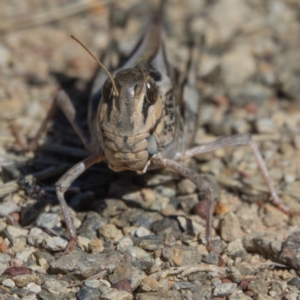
{"x":142,"y":237}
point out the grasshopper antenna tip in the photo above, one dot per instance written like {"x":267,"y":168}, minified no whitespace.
{"x":99,"y":62}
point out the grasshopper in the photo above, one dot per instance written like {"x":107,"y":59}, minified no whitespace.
{"x":143,"y":114}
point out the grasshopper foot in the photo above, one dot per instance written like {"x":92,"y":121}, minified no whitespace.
{"x":71,"y":246}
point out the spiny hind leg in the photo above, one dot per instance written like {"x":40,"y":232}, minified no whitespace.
{"x":241,"y":140}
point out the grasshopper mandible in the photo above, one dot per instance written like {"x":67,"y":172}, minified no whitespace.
{"x":143,"y":114}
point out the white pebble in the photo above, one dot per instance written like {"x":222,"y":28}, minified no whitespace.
{"x":34,"y":288}
{"x":8,"y":282}
{"x":141,"y":231}
{"x":56,"y":243}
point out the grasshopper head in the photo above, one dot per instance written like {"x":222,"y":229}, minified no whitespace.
{"x":127,"y":120}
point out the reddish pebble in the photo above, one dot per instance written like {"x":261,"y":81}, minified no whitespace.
{"x":252,"y":108}
{"x":14,"y":271}
{"x":123,"y":285}
{"x":221,"y":208}
{"x":3,"y":247}
{"x":244,"y":284}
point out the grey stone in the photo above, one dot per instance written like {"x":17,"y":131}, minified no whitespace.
{"x":234,"y":274}
{"x":16,"y":232}
{"x":112,"y":207}
{"x":140,"y":232}
{"x":182,"y":256}
{"x":211,"y":258}
{"x":241,"y":57}
{"x":46,"y":296}
{"x":92,"y":283}
{"x":183,"y":285}
{"x":150,"y":242}
{"x":240,"y":126}
{"x":288,"y":72}
{"x":290,"y":253}
{"x":235,"y":248}
{"x":36,"y":237}
{"x":55,"y":287}
{"x":275,"y":289}
{"x":88,"y":293}
{"x":224,"y":289}
{"x":273,"y":216}
{"x":230,"y":227}
{"x":56,"y":243}
{"x":291,"y":296}
{"x":84,"y":264}
{"x":4,"y":258}
{"x":131,"y":273}
{"x":295,"y":281}
{"x":3,"y":267}
{"x":90,"y":225}
{"x":8,"y":283}
{"x":263,"y":243}
{"x":23,"y":280}
{"x":166,"y":228}
{"x":264,"y":125}
{"x":110,"y":232}
{"x":149,"y":284}
{"x":45,"y":255}
{"x":9,"y":206}
{"x":245,"y":268}
{"x":48,"y":220}
{"x":187,"y":202}
{"x":258,"y":286}
{"x":185,"y":186}
{"x":136,"y":252}
{"x":146,"y":219}
{"x":124,"y":243}
{"x":249,"y":93}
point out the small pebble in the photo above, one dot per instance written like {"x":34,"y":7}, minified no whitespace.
{"x":48,"y":220}
{"x":96,"y":246}
{"x":16,"y":232}
{"x":56,"y":243}
{"x":55,"y":287}
{"x":141,"y":231}
{"x":93,"y":283}
{"x":124,"y":243}
{"x":265,"y":126}
{"x":83,"y":242}
{"x":9,"y":283}
{"x":37,"y":236}
{"x":110,"y":232}
{"x":33,"y":287}
{"x":136,"y":252}
{"x":230,"y":227}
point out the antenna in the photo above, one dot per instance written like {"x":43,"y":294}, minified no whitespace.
{"x":100,"y":63}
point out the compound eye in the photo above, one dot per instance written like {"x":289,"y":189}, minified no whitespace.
{"x":107,"y":90}
{"x":151,"y":92}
